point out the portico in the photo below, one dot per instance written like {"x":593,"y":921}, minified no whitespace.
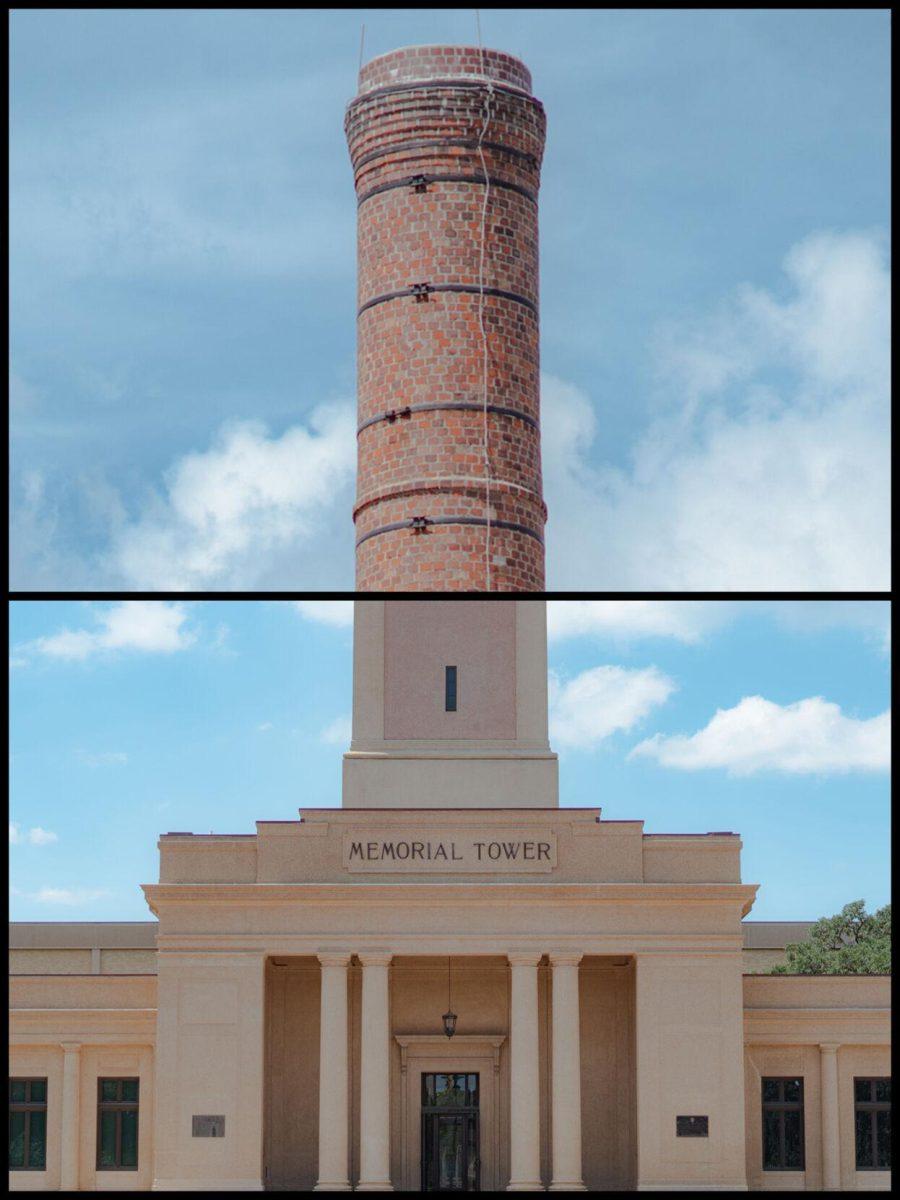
{"x":323,"y":991}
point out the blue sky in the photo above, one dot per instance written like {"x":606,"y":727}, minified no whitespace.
{"x":130,"y":719}
{"x":714,"y":270}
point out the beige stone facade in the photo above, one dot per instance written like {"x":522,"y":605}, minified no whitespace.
{"x":295,"y":985}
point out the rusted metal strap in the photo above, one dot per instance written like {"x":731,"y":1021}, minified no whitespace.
{"x":437,"y":143}
{"x":421,"y":524}
{"x":398,"y":414}
{"x":421,"y":291}
{"x":412,"y":181}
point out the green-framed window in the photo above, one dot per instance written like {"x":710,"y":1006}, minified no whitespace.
{"x":872,"y":1114}
{"x":117,"y":1124}
{"x":782,"y":1124}
{"x":27,"y":1124}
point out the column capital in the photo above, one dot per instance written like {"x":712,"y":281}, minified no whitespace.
{"x":70,"y":1047}
{"x":334,"y":958}
{"x":565,"y":958}
{"x":524,"y":958}
{"x":375,"y":958}
{"x":829,"y":1047}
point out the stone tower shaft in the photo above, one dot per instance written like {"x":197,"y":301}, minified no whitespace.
{"x":449,"y":494}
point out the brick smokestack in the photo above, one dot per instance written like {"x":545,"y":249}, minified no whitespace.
{"x":428,"y":503}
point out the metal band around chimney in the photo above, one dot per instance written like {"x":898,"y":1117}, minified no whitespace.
{"x":413,"y":523}
{"x":427,"y":84}
{"x":411,"y":180}
{"x":469,"y":288}
{"x":397,"y":414}
{"x":432,"y":144}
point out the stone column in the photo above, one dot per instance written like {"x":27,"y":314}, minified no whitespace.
{"x":831,"y":1133}
{"x":524,"y":1075}
{"x":374,"y":1076}
{"x":71,"y":1104}
{"x":566,"y":1076}
{"x":334,"y":1091}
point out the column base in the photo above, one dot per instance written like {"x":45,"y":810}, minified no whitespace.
{"x":562,"y":1186}
{"x":374,"y":1187}
{"x":340,"y":1186}
{"x":526,"y":1186}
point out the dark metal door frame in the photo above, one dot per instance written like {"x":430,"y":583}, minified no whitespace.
{"x":470,"y":1118}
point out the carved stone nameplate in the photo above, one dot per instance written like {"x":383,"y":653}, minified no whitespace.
{"x":484,"y":852}
{"x":207,"y":1126}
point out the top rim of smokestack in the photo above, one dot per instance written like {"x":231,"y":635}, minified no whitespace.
{"x":443,"y":61}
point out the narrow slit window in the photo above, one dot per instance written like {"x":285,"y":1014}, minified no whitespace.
{"x":450,"y":689}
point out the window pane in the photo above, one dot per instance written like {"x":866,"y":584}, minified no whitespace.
{"x":17,"y":1089}
{"x":109,"y":1089}
{"x":793,"y":1140}
{"x":793,"y":1090}
{"x":862,"y":1089}
{"x":106,"y":1155}
{"x":37,"y":1140}
{"x":450,"y":690}
{"x":450,"y":1154}
{"x":863,"y":1140}
{"x":883,"y":1090}
{"x":39,"y":1090}
{"x":129,"y":1138}
{"x":16,"y":1140}
{"x":883,"y":1135}
{"x":770,"y":1089}
{"x":472,"y":1154}
{"x":771,"y":1141}
{"x":129,"y":1089}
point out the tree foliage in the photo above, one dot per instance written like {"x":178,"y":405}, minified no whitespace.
{"x":853,"y":942}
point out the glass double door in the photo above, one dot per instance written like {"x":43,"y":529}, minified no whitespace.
{"x":450,"y":1159}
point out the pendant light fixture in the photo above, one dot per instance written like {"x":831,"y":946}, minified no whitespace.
{"x":449,"y":1017}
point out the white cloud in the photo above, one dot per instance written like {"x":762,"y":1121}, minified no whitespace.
{"x":808,"y":737}
{"x":767,"y":465}
{"x":602,"y":700}
{"x":338,"y":733}
{"x":692,"y":620}
{"x":328,"y":612}
{"x":264,"y":727}
{"x":107,"y":758}
{"x":36,"y":835}
{"x":684,"y":620}
{"x":41,"y":837}
{"x":251,"y":511}
{"x":69,"y":897}
{"x":149,"y":626}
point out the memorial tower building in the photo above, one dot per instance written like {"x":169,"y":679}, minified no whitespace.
{"x":439,"y":977}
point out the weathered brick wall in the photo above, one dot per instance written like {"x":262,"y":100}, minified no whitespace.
{"x":419,"y":112}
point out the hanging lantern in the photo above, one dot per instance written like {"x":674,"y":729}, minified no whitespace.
{"x":449,"y":1017}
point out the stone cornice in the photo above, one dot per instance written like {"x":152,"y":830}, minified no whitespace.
{"x":100,"y":1026}
{"x":817,"y":1026}
{"x":446,"y":893}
